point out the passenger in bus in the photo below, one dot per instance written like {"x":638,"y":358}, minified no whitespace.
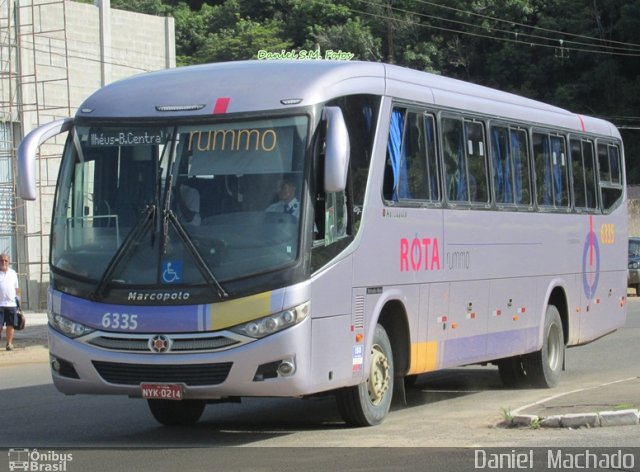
{"x":287,"y":201}
{"x":188,"y":204}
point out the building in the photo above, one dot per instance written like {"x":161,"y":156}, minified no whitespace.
{"x":53,"y":54}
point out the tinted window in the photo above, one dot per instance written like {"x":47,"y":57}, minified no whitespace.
{"x":411,"y":173}
{"x":510,"y":166}
{"x":552,"y":177}
{"x":465,"y":161}
{"x":609,"y":162}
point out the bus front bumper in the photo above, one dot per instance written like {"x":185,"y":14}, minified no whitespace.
{"x":277,"y":365}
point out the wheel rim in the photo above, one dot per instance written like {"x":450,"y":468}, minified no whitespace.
{"x":378,"y":383}
{"x":554,"y":346}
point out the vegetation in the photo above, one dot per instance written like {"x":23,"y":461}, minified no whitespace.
{"x":576,"y":54}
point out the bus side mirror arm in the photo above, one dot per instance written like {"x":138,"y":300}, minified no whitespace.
{"x":26,"y":181}
{"x":336,"y":163}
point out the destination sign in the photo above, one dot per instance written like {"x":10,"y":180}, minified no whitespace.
{"x":227,"y":151}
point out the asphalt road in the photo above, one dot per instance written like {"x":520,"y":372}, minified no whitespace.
{"x":449,"y":416}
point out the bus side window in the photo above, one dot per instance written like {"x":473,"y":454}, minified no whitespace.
{"x":501,"y":159}
{"x":610,"y":175}
{"x":577,"y":166}
{"x":603,"y":163}
{"x":412,"y":181}
{"x":454,"y":160}
{"x":552,"y":170}
{"x":510,"y":159}
{"x":542,"y":161}
{"x":394,"y":155}
{"x":591,"y":181}
{"x":337,"y":215}
{"x":433,"y":173}
{"x":560,"y":172}
{"x":583,"y":170}
{"x":476,"y":162}
{"x":520,"y":157}
{"x":411,"y":172}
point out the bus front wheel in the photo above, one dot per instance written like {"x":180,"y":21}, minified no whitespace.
{"x":544,"y":366}
{"x":176,"y":413}
{"x":368,"y":403}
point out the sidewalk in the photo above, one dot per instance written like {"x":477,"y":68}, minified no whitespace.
{"x":609,"y":404}
{"x":30,"y":344}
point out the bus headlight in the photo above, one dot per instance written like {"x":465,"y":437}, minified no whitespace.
{"x":66,"y":326}
{"x":273,"y":323}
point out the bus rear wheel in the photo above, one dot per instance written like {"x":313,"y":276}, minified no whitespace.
{"x":544,"y":366}
{"x":512,"y":372}
{"x":368,"y":403}
{"x":176,"y":413}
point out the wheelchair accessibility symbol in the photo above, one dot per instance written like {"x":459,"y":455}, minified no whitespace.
{"x":172,"y":272}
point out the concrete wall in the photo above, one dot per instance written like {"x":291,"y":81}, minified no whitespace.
{"x":67,"y":51}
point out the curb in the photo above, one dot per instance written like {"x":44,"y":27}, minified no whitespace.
{"x":584,"y":419}
{"x":580,"y":420}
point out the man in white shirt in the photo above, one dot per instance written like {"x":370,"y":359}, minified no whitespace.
{"x":9,"y":292}
{"x":287,"y":203}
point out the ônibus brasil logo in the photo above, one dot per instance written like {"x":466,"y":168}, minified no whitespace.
{"x":41,"y":461}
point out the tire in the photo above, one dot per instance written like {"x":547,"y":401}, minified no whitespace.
{"x":512,"y":372}
{"x":544,"y":366}
{"x":368,"y":403}
{"x":176,"y":413}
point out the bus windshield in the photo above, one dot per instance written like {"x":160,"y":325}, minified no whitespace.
{"x":148,"y":205}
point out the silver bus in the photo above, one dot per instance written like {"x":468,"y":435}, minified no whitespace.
{"x":287,"y":228}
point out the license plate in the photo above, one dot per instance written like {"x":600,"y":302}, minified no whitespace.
{"x":161,"y":391}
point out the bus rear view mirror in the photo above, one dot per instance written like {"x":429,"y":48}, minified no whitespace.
{"x":336,"y":163}
{"x":26,"y":182}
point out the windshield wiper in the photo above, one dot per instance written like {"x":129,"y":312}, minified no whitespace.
{"x":134,"y":235}
{"x":169,"y":215}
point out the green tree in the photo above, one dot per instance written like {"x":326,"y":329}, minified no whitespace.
{"x":242,"y":40}
{"x":352,"y":36}
{"x":579,"y":55}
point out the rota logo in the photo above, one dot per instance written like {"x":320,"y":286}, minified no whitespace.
{"x":419,"y":254}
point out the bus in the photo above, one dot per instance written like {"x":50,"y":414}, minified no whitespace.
{"x":294,"y":228}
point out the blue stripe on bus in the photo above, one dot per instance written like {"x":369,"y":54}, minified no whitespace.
{"x":163,"y":318}
{"x":482,"y":347}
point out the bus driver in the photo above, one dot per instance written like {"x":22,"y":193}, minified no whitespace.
{"x":287,"y":201}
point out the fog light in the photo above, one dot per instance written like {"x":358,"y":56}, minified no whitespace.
{"x":286,"y":368}
{"x":63,"y":368}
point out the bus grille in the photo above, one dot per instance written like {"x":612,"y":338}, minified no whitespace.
{"x":180,"y":344}
{"x":189,"y":374}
